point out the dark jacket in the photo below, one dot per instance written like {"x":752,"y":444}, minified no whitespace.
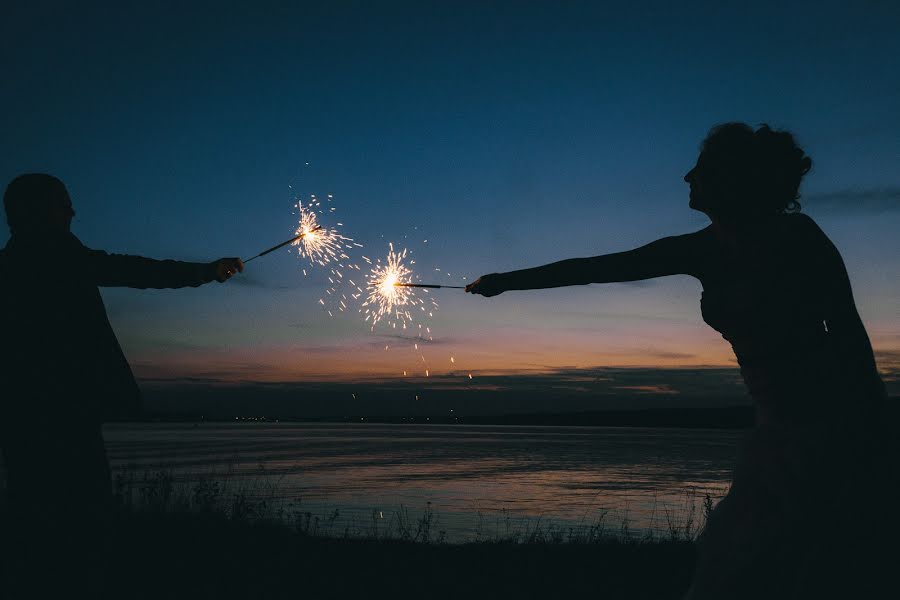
{"x":59,"y":357}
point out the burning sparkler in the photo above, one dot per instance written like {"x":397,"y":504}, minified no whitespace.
{"x":326,"y":247}
{"x":391,"y":294}
{"x":319,"y":244}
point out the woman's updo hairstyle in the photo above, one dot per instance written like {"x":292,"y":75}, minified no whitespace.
{"x":755,"y":173}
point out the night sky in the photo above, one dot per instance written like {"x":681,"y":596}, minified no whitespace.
{"x":506,"y":136}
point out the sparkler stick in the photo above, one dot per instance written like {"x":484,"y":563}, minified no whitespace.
{"x":423,"y":285}
{"x":283,"y":244}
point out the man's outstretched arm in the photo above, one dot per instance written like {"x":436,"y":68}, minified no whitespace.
{"x":123,"y":270}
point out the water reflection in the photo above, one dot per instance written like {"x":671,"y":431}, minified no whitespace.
{"x":471,"y":475}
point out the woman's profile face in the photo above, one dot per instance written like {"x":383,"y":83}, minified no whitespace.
{"x":695,"y":178}
{"x":710,"y":182}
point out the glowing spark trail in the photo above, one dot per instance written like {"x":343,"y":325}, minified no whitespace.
{"x":326,"y":247}
{"x":393,"y":295}
{"x":321,"y":245}
{"x":390,"y":293}
{"x":385,"y":299}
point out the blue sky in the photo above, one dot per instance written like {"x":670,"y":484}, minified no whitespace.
{"x":506,"y":135}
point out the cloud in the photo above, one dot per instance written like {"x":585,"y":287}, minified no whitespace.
{"x":245,"y":280}
{"x":382,"y":339}
{"x":875,"y":200}
{"x":888,"y":359}
{"x":648,"y":389}
{"x":603,"y":315}
{"x":550,"y":390}
{"x":665,"y":354}
{"x":640,"y":283}
{"x":888,"y":362}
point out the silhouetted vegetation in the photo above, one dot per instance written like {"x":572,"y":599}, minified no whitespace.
{"x":208,"y":555}
{"x":209,"y":539}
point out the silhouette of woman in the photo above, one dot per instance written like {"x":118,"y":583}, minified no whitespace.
{"x":776,"y":288}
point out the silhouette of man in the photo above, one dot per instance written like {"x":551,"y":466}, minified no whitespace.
{"x":63,"y":372}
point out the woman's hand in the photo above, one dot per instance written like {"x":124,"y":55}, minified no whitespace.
{"x":487,"y":285}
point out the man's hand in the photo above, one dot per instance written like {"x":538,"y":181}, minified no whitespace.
{"x":487,"y":285}
{"x":225,"y":268}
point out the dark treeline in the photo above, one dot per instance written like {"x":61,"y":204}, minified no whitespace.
{"x":725,"y":417}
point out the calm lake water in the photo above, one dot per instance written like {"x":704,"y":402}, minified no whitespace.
{"x":480,"y":481}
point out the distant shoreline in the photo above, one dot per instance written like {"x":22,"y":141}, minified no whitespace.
{"x":731,"y":417}
{"x":727,"y":417}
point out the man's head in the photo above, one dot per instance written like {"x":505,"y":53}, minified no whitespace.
{"x":37,"y":203}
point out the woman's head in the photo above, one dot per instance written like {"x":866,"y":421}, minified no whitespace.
{"x":37,"y":203}
{"x":744,"y":173}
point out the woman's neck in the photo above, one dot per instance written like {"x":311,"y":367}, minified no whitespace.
{"x":735,"y":232}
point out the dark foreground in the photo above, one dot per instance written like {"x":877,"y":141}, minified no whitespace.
{"x":210,"y":556}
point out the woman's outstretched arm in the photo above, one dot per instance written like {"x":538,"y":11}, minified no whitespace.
{"x":666,"y":256}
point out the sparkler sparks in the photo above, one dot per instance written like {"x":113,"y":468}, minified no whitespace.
{"x":391,"y":292}
{"x":387,"y":298}
{"x":321,"y":245}
{"x":326,"y":247}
